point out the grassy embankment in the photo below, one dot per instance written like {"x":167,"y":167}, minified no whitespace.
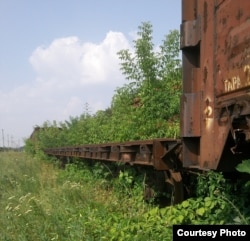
{"x":38,"y":201}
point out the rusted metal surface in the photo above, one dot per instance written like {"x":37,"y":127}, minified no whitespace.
{"x":190,"y":33}
{"x":215,"y":43}
{"x":233,"y":52}
{"x":148,"y":152}
{"x":191,"y":125}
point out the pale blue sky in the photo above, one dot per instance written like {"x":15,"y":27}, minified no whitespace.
{"x":56,"y":55}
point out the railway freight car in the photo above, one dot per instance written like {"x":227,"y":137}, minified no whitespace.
{"x":215,"y":103}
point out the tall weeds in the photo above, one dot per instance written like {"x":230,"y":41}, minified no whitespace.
{"x":40,"y":202}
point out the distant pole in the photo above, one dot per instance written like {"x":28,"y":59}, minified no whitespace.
{"x":11,"y":141}
{"x":3,"y":136}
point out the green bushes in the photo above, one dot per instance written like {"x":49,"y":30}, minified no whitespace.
{"x":146,"y":107}
{"x":87,"y":201}
{"x":217,"y":201}
{"x":40,"y":202}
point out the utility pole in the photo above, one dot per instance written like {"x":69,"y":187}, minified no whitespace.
{"x":3,"y":137}
{"x":11,"y":142}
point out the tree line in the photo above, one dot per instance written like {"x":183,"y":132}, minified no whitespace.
{"x":146,"y":107}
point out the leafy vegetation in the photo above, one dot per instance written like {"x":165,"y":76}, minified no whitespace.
{"x":244,"y":167}
{"x":87,"y":201}
{"x":40,"y":202}
{"x":146,"y":107}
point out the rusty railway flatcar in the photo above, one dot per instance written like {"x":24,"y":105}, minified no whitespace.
{"x":215,"y":103}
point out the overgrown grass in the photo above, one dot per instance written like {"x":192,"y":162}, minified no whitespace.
{"x":39,"y":201}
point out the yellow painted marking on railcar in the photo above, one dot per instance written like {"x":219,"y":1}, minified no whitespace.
{"x":235,"y":82}
{"x":247,"y":73}
{"x":232,"y":83}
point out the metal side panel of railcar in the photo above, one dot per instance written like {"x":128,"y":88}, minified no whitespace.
{"x":215,"y":43}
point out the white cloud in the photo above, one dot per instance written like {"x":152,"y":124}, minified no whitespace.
{"x":69,"y":73}
{"x":68,"y":62}
{"x":88,"y":71}
{"x":73,"y":106}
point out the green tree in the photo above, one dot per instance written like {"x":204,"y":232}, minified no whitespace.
{"x":141,"y":65}
{"x":148,"y":106}
{"x":145,"y":107}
